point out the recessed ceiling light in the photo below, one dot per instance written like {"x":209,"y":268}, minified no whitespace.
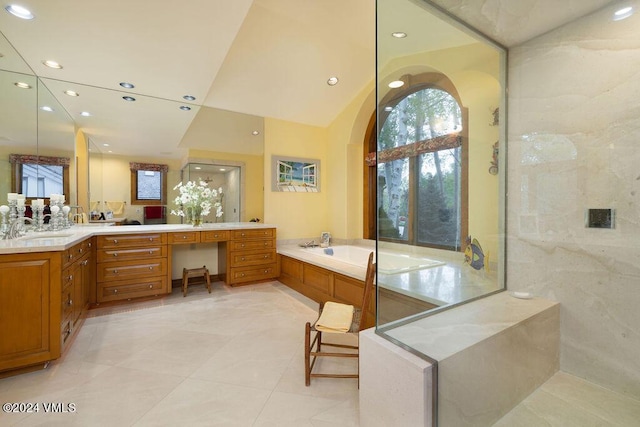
{"x":189,"y":97}
{"x":109,"y":151}
{"x":129,"y":98}
{"x":71,"y":93}
{"x":332,"y":81}
{"x":399,"y":34}
{"x":222,"y":169}
{"x":198,"y":168}
{"x":19,"y":11}
{"x":185,"y":108}
{"x":46,"y":108}
{"x":127,"y":85}
{"x":23,"y":85}
{"x":388,"y":108}
{"x":396,"y":84}
{"x":255,"y":132}
{"x":623,"y":13}
{"x":85,"y":114}
{"x":105,"y":145}
{"x":52,"y":64}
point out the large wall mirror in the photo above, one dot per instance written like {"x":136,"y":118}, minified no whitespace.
{"x":438,"y":163}
{"x":37,"y":136}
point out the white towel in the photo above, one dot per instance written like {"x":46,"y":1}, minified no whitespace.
{"x":335,"y":317}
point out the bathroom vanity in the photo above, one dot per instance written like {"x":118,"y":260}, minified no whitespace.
{"x":49,"y":281}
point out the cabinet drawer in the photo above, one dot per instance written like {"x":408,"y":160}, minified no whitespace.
{"x":126,"y":289}
{"x":131,"y":240}
{"x":214,"y":236}
{"x":249,"y":274}
{"x":131,"y":269}
{"x":183,"y":238}
{"x":109,"y":255}
{"x":65,"y":332}
{"x":240,"y":259}
{"x":66,"y":308}
{"x":260,"y":233}
{"x":67,"y":277}
{"x":252,"y":244}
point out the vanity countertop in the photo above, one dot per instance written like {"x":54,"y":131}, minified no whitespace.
{"x":50,"y":241}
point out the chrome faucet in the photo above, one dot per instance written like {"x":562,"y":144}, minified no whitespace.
{"x":308,"y":244}
{"x":17,"y":228}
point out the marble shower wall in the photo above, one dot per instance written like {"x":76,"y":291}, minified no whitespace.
{"x":573,"y":144}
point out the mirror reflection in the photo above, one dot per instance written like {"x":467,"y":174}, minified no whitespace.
{"x":439,"y":193}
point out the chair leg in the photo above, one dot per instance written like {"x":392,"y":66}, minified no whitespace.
{"x":185,"y":282}
{"x":207,"y":278}
{"x":307,"y":354}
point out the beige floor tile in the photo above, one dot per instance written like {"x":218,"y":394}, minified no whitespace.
{"x":294,"y":410}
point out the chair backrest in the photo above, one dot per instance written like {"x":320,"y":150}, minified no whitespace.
{"x":368,"y":289}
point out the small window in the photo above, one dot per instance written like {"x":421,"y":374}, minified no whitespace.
{"x":39,"y":176}
{"x":148,"y":184}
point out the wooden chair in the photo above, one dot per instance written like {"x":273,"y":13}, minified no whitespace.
{"x":313,"y":349}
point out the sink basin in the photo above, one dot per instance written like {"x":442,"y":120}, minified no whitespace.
{"x":47,"y":236}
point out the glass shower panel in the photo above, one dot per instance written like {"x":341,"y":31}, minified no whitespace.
{"x":440,"y":162}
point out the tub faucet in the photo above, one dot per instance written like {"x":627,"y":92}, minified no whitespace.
{"x":308,"y":244}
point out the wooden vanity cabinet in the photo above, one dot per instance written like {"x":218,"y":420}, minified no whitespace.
{"x":29,"y":310}
{"x":251,"y":256}
{"x":132,"y":265}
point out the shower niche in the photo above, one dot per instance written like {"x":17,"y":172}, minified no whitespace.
{"x":219,"y":175}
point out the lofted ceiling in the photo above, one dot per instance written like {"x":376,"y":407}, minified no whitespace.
{"x":242,"y":60}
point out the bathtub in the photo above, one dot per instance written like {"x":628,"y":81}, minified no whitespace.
{"x":390,"y":262}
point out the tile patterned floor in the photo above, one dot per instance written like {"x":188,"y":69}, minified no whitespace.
{"x":568,"y":401}
{"x":230,"y":358}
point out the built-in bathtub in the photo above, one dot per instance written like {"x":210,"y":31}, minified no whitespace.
{"x":390,"y":262}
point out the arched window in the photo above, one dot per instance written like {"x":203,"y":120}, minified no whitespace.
{"x":421,"y":167}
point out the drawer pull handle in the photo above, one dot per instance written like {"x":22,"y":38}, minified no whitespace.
{"x":242,"y":275}
{"x":215,"y":235}
{"x":115,"y":254}
{"x":80,"y":250}
{"x":85,"y":262}
{"x":150,"y":286}
{"x":151,"y":239}
{"x":242,"y":258}
{"x":89,"y":245}
{"x":184,"y":237}
{"x":70,"y":302}
{"x":115,"y":271}
{"x":150,"y":252}
{"x":70,"y":256}
{"x":266,"y":256}
{"x":70,"y":277}
{"x":150,"y":268}
{"x":242,"y":245}
{"x":115,"y":291}
{"x":242,"y":234}
{"x":266,"y":243}
{"x":266,"y":271}
{"x":115,"y":241}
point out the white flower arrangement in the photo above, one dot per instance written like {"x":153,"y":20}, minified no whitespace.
{"x":197,"y":200}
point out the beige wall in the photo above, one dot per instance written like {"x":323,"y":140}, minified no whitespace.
{"x":297,"y":215}
{"x":116,"y":183}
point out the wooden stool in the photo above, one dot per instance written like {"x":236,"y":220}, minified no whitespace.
{"x":194,"y":272}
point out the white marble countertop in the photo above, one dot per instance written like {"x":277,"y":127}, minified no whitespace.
{"x":50,"y":241}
